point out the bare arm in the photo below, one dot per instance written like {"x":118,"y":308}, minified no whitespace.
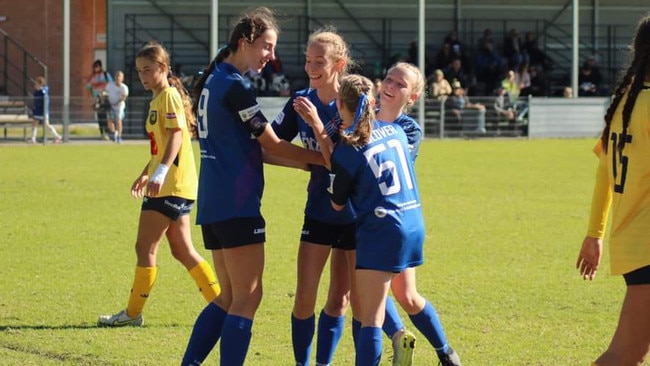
{"x":171,"y":151}
{"x":283,"y":149}
{"x":308,"y":112}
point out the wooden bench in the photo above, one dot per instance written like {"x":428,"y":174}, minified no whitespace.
{"x":14,"y":114}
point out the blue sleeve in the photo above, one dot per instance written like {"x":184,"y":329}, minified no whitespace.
{"x":342,"y":185}
{"x":241,"y":101}
{"x":285,"y":124}
{"x":413,"y":133}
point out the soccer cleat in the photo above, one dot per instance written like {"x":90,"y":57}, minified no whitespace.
{"x":57,"y":140}
{"x":120,"y":320}
{"x":450,"y":358}
{"x":403,"y":348}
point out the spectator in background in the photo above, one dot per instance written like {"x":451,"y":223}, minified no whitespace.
{"x":567,"y":92}
{"x":502,"y":105}
{"x":513,"y":89}
{"x":538,"y":59}
{"x":591,"y":74}
{"x":444,"y":57}
{"x":41,"y":110}
{"x":524,"y":80}
{"x":457,"y":50}
{"x":489,"y":63}
{"x":588,"y":82}
{"x":513,"y":50}
{"x":377,"y":83}
{"x":458,"y":103}
{"x":439,"y":87}
{"x":95,"y":84}
{"x":456,"y":72}
{"x":117,"y":93}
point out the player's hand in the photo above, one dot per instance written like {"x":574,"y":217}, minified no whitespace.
{"x":153,"y":188}
{"x":137,"y":189}
{"x":306,"y":109}
{"x":589,"y":257}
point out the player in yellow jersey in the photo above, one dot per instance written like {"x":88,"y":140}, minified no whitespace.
{"x":623,"y":182}
{"x":168,"y":185}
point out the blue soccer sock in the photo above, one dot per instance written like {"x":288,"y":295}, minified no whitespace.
{"x":392,"y":320}
{"x":356,"y":328}
{"x":205,"y":334}
{"x":428,"y":323}
{"x":330,"y":330}
{"x":302,"y":333}
{"x":370,"y":346}
{"x":235,"y":339}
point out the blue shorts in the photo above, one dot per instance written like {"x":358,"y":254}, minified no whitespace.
{"x":234,"y":233}
{"x":639,"y":276}
{"x":170,"y":206}
{"x":339,"y":236}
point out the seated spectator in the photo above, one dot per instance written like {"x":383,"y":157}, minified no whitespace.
{"x":456,"y":71}
{"x":588,"y":82}
{"x":591,"y":74}
{"x":444,"y":57}
{"x":513,"y":50}
{"x":275,"y":81}
{"x":523,"y":80}
{"x":502,"y":106}
{"x":489,"y":64}
{"x":538,"y":59}
{"x":458,"y":105}
{"x":513,"y":90}
{"x":439,"y":87}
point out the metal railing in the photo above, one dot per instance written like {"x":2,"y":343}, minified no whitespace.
{"x":18,"y":67}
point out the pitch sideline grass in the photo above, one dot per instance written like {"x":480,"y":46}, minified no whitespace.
{"x":505,"y":219}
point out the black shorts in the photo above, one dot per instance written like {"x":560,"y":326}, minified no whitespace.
{"x":234,"y":233}
{"x":639,"y":276}
{"x":170,"y":206}
{"x":339,"y":236}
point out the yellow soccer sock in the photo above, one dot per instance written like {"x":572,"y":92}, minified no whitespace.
{"x":594,"y":364}
{"x":145,"y":277}
{"x":206,"y":280}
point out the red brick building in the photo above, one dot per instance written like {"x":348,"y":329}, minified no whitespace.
{"x":37,"y":25}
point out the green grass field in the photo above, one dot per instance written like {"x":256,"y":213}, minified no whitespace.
{"x":505,"y":219}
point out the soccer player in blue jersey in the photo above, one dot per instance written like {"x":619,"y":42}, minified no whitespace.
{"x":401,"y":88}
{"x":324,"y":229}
{"x":232,"y":132}
{"x":404,"y":84}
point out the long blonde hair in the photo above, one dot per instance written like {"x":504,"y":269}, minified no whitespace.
{"x":354,"y":90}
{"x":417,"y":87}
{"x":338,"y":49}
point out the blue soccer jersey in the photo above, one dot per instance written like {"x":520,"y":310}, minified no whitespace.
{"x":41,"y":105}
{"x":379,"y":180}
{"x":231,"y":178}
{"x":287,"y":125}
{"x":413,"y":133}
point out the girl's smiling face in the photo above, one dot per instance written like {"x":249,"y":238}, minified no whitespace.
{"x":261,"y":51}
{"x":397,"y":88}
{"x":319,"y":65}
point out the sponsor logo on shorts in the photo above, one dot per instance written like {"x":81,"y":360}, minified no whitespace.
{"x":260,"y":230}
{"x":305,"y":232}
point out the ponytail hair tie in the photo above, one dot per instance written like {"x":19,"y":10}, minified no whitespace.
{"x":361,"y":106}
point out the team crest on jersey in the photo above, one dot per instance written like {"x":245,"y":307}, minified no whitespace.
{"x":248,"y":113}
{"x":153,"y":117}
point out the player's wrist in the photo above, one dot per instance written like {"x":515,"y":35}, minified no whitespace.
{"x":160,"y":173}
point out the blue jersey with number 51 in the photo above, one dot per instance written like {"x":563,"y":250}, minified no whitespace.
{"x":380,"y":182}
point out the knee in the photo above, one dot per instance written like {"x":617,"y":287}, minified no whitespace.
{"x":337,"y":303}
{"x":411,"y":301}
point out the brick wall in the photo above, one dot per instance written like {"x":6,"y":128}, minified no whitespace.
{"x":38,"y":26}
